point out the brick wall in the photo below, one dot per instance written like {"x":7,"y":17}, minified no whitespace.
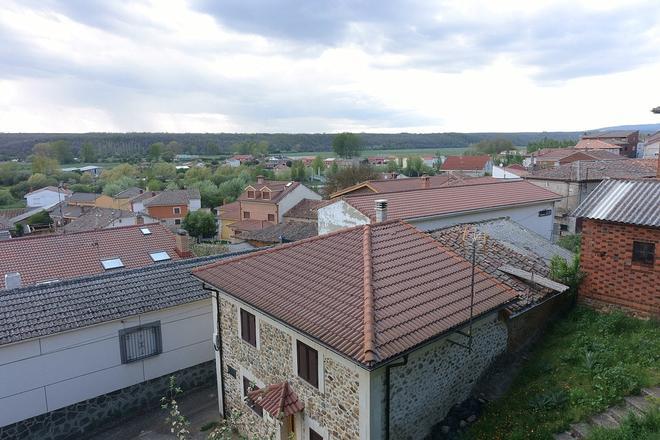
{"x":613,"y":280}
{"x":259,"y":210}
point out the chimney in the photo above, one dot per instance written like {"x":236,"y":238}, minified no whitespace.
{"x":12,"y":280}
{"x":139,"y":219}
{"x":381,"y":210}
{"x":426,"y":182}
{"x":260,"y":180}
{"x":182,"y":243}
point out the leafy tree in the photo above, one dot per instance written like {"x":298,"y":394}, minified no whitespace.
{"x":88,"y":153}
{"x":43,"y":149}
{"x":566,"y":272}
{"x":347,"y":145}
{"x":12,"y":173}
{"x":81,"y":187}
{"x":392,"y":166}
{"x":489,"y":146}
{"x":348,"y":176}
{"x":571,"y":242}
{"x":116,"y":173}
{"x":6,"y":197}
{"x":414,"y":166}
{"x":45,"y":165}
{"x":62,"y":151}
{"x":549,"y":143}
{"x":318,"y":165}
{"x":298,"y":171}
{"x":168,"y":155}
{"x":116,"y":186}
{"x":200,"y":224}
{"x":19,"y":190}
{"x":171,"y":186}
{"x":154,"y":185}
{"x":231,"y":189}
{"x":40,"y":218}
{"x":197,"y":174}
{"x":155,"y":151}
{"x":38,"y":180}
{"x":163,"y":171}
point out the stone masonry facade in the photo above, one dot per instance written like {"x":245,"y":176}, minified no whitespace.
{"x":82,"y":419}
{"x":612,"y":279}
{"x":336,"y":408}
{"x":434,"y":379}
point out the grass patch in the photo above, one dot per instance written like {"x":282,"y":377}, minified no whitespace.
{"x":585,"y":363}
{"x":632,"y":428}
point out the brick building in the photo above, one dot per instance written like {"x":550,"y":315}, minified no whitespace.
{"x":620,"y":223}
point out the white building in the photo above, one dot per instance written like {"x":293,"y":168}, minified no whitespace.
{"x":47,"y":196}
{"x":430,"y":209}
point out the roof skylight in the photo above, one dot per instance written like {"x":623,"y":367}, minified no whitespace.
{"x":145,"y":231}
{"x":113,"y":263}
{"x":160,"y":256}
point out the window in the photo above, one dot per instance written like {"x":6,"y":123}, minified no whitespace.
{"x":159,"y":256}
{"x":246,"y":214}
{"x":113,"y":263}
{"x":250,"y":194}
{"x":177,"y":221}
{"x":145,"y":231}
{"x":265,"y":195}
{"x":271,"y":217}
{"x":545,"y":212}
{"x":248,"y":328}
{"x":177,"y":210}
{"x":247,"y":388}
{"x":643,"y":252}
{"x":308,"y":361}
{"x":140,"y":342}
{"x":313,"y":435}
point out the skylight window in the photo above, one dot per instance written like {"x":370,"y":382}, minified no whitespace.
{"x":113,"y":263}
{"x":145,"y":231}
{"x":160,"y":256}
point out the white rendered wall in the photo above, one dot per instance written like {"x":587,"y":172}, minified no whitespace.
{"x":339,"y":215}
{"x":292,"y":199}
{"x":44,"y":198}
{"x":55,"y":371}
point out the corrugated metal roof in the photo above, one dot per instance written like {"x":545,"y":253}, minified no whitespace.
{"x":625,"y":201}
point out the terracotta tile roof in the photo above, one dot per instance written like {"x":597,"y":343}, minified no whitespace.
{"x":369,"y":293}
{"x":595,"y":144}
{"x":145,"y":196}
{"x":454,"y":199}
{"x":97,"y":218}
{"x":412,"y":183}
{"x":250,"y":225}
{"x":172,"y":198}
{"x":278,"y":189}
{"x":595,"y":170}
{"x":465,"y":163}
{"x":290,"y":230}
{"x":61,"y":257}
{"x":306,"y":209}
{"x":279,"y":400}
{"x":230,"y":211}
{"x":82,"y":197}
{"x":129,"y":193}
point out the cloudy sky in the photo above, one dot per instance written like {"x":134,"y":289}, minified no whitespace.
{"x":327,"y":66}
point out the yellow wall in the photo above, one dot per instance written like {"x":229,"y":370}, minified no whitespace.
{"x":104,"y":201}
{"x":225,"y":232}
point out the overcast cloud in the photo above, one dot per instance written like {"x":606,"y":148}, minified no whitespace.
{"x":307,"y":66}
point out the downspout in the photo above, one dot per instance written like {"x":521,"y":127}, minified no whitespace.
{"x":218,"y":348}
{"x":387,"y":393}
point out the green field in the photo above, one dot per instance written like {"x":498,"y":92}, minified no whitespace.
{"x":400,"y":152}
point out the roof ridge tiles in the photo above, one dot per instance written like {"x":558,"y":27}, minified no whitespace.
{"x":369,"y":341}
{"x":446,"y":185}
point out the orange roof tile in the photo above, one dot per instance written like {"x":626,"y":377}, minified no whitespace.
{"x":279,"y":400}
{"x":465,"y":163}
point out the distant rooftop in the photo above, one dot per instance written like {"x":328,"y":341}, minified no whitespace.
{"x":465,"y":163}
{"x":173,"y":197}
{"x":588,"y":170}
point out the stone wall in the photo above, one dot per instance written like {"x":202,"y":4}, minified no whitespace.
{"x":83,"y":418}
{"x":335,"y":407}
{"x":436,"y":378}
{"x":612,"y":278}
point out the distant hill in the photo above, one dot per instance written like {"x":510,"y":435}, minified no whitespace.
{"x":643,"y":128}
{"x":127,"y":145}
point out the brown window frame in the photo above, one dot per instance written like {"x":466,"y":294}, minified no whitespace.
{"x":645,"y":255}
{"x":271,"y":217}
{"x":313,"y":435}
{"x":176,"y":210}
{"x":246,"y":215}
{"x":248,"y":326}
{"x":265,"y":195}
{"x":308,"y":363}
{"x":253,"y":406}
{"x":250,"y":196}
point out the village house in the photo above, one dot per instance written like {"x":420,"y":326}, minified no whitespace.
{"x":102,"y":218}
{"x":78,"y":354}
{"x":554,"y":157}
{"x":227,"y":215}
{"x":625,"y":140}
{"x":514,"y":171}
{"x":575,"y":181}
{"x":48,"y":258}
{"x":651,"y":148}
{"x":336,"y":337}
{"x":47,"y":196}
{"x":430,"y":209}
{"x":468,"y":165}
{"x":265,"y":202}
{"x":620,"y":224}
{"x":170,"y":207}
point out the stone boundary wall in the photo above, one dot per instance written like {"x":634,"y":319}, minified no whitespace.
{"x":81,"y":419}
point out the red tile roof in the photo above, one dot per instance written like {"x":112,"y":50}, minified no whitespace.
{"x":369,"y":293}
{"x":230,"y":211}
{"x":279,"y":400}
{"x":61,"y":257}
{"x":453,"y":199}
{"x":595,"y":144}
{"x":413,"y":183}
{"x":306,"y":209}
{"x":250,"y":225}
{"x":465,"y":163}
{"x":278,"y":189}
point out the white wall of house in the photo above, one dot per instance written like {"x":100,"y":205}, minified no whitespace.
{"x":46,"y":197}
{"x":292,"y":199}
{"x":341,"y":215}
{"x":502,"y":173}
{"x":51,"y":372}
{"x":195,"y":204}
{"x":650,"y":151}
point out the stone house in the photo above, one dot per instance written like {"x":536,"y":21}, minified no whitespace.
{"x":625,"y":140}
{"x":364,"y":333}
{"x":620,"y":223}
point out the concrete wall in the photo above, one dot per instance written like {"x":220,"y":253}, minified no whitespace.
{"x":336,"y":409}
{"x":501,"y":173}
{"x":294,"y":197}
{"x":339,"y":215}
{"x":44,"y":198}
{"x":52,"y":372}
{"x":435,"y":378}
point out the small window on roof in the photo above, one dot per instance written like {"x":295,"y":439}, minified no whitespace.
{"x":113,"y":263}
{"x":145,"y":231}
{"x":160,"y":256}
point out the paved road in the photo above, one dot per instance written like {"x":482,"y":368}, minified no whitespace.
{"x":200,"y":406}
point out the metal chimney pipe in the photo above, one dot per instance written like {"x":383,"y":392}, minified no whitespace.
{"x":381,"y":210}
{"x":12,"y":280}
